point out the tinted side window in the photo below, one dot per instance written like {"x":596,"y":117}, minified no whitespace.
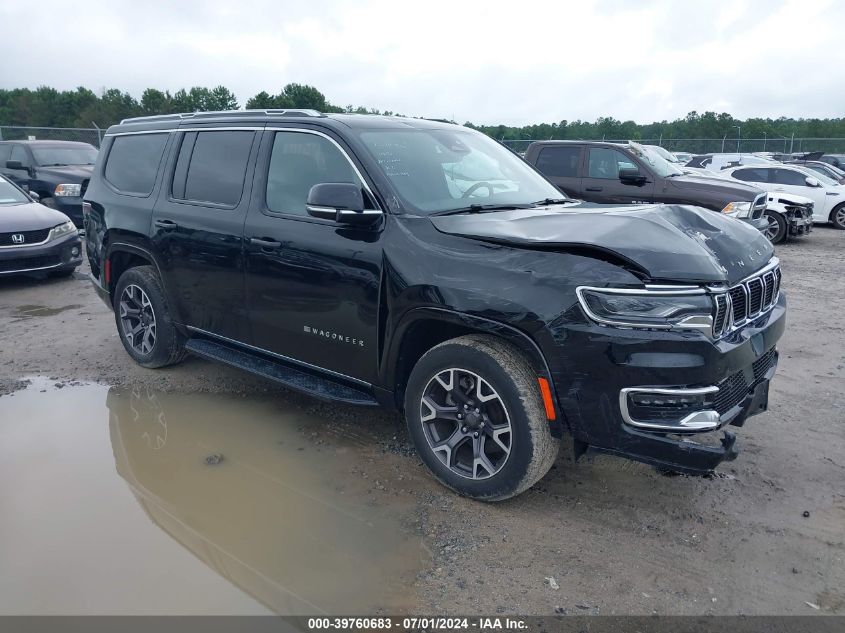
{"x":133,"y":161}
{"x":789,"y":177}
{"x":211,"y":167}
{"x":606,"y":163}
{"x":561,"y":162}
{"x":298,"y":162}
{"x":752,"y":175}
{"x":19,"y":153}
{"x":5,"y":154}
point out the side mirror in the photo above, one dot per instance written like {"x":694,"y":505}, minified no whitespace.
{"x":342,"y":202}
{"x":15,"y":164}
{"x":812,"y":182}
{"x":33,"y":195}
{"x":631,"y":176}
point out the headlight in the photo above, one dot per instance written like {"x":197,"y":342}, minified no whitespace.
{"x":61,"y":230}
{"x":63,"y":191}
{"x":652,"y":309}
{"x":737,"y":209}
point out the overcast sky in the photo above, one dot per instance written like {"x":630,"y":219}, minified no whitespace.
{"x":513,"y":62}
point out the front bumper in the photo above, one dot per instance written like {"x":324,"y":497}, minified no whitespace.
{"x":55,"y":255}
{"x":612,"y":360}
{"x":799,"y":222}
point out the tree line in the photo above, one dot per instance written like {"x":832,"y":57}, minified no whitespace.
{"x":48,"y":107}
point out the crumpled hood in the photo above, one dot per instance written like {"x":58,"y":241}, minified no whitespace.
{"x":667,"y":242}
{"x":29,"y":216}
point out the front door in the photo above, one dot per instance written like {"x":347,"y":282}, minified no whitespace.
{"x":792,"y":181}
{"x":198,"y":228}
{"x":601,"y":179}
{"x":312,"y":285}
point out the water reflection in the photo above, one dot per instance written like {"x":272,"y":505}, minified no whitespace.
{"x":240,"y":485}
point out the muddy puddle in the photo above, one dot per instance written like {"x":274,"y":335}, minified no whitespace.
{"x":136,"y":502}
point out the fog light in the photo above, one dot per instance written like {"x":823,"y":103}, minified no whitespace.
{"x":672,"y":410}
{"x":75,"y":251}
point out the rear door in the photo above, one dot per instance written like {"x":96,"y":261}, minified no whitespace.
{"x":198,"y":227}
{"x":601,"y":179}
{"x":561,"y":164}
{"x":312,"y":285}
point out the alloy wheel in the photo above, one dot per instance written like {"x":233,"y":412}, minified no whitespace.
{"x":137,"y":319}
{"x":839,"y":217}
{"x":772,"y":229}
{"x":466,"y":423}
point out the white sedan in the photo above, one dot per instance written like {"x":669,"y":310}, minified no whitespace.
{"x":827,"y":195}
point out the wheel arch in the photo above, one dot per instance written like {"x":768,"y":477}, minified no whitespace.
{"x":421,"y":329}
{"x":834,"y":211}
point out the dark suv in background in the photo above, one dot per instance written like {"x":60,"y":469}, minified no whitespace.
{"x":55,"y":170}
{"x":421,"y":266}
{"x":624,"y":174}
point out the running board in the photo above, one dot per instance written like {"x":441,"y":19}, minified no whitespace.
{"x":286,"y":375}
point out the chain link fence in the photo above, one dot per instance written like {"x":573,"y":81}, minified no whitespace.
{"x":94,"y":136}
{"x":726,"y":144}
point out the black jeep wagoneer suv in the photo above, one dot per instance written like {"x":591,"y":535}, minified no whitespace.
{"x":372,"y":260}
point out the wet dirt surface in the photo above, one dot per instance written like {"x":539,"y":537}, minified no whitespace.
{"x":765,"y":536}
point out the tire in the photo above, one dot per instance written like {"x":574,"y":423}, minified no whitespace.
{"x":837,"y":217}
{"x":139,"y":290}
{"x":777,"y":229}
{"x":503,"y":384}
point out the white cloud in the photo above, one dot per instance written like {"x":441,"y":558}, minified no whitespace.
{"x":486,"y":62}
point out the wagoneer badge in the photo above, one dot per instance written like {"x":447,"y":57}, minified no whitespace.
{"x":334,"y":336}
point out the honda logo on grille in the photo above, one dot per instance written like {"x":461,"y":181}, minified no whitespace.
{"x":17,"y":238}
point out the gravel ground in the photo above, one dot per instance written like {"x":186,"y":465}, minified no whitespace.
{"x":766,"y":535}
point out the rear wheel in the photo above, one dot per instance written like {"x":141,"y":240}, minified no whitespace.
{"x":143,"y":319}
{"x":776,"y":230}
{"x":837,"y":217}
{"x":476,"y":417}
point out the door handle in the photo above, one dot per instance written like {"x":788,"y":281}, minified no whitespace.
{"x":257,"y":241}
{"x":167,"y":225}
{"x":594,"y":188}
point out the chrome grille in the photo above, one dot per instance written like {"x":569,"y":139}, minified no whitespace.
{"x":746,"y":300}
{"x":758,"y":207}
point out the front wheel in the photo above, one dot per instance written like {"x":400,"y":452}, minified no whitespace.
{"x":477,"y":420}
{"x":143,"y":319}
{"x":776,"y":230}
{"x":837,"y":217}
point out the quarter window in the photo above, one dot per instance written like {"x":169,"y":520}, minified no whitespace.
{"x":5,"y":154}
{"x":298,"y":162}
{"x":211,"y":167}
{"x":606,"y":163}
{"x":132,"y":162}
{"x":559,"y":162}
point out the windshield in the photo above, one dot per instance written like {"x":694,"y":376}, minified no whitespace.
{"x":57,"y":156}
{"x":9,"y":194}
{"x":659,"y":165}
{"x":440,"y":170}
{"x":663,"y":153}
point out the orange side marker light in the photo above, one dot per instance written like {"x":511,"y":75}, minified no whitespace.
{"x":546,"y":393}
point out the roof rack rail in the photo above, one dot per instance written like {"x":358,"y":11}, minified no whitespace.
{"x":231,"y":113}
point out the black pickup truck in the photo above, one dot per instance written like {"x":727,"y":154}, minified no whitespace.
{"x":421,"y":266}
{"x":629,"y":173}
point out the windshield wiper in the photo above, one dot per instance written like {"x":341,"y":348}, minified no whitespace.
{"x":550,"y":201}
{"x":481,"y":208}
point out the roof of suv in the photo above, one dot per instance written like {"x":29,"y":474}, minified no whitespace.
{"x":245,"y":117}
{"x":577,"y":142}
